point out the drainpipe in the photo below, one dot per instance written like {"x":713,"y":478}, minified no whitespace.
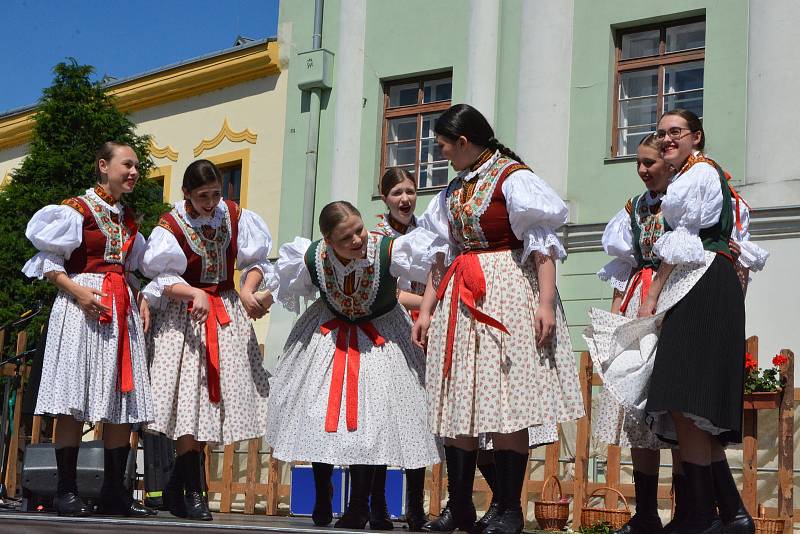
{"x":313,"y":133}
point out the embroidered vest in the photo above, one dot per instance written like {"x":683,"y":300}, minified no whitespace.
{"x":646,"y":228}
{"x":105,"y":243}
{"x":210,"y":263}
{"x":376,"y":293}
{"x":477,"y":209}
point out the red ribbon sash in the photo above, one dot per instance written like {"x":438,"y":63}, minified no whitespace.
{"x":644,"y":277}
{"x":469,"y":286}
{"x":347,"y":356}
{"x":115,"y":291}
{"x":217,"y":315}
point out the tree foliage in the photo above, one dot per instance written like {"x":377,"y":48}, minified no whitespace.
{"x":73,"y":118}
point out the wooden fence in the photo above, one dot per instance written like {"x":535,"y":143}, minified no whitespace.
{"x":226,"y":489}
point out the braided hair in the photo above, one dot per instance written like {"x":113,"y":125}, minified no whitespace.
{"x":465,"y":120}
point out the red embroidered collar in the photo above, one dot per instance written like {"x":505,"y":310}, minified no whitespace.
{"x":104,"y":195}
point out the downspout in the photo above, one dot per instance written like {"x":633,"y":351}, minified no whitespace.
{"x":315,"y":101}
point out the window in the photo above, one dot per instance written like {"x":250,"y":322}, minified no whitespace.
{"x":232,"y":182}
{"x":411,"y":107}
{"x":658,"y":68}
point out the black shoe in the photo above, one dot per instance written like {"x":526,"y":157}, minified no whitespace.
{"x":732,"y":512}
{"x":116,"y":498}
{"x":323,"y":507}
{"x":415,"y":499}
{"x":67,"y":502}
{"x":682,"y":505}
{"x":508,"y":522}
{"x":703,"y":518}
{"x":492,"y":513}
{"x":194,"y":481}
{"x":510,"y":466}
{"x":645,"y":520}
{"x":459,"y":514}
{"x":357,"y":513}
{"x":70,"y":505}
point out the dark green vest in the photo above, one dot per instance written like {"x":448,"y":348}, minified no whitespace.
{"x":641,"y":261}
{"x":386,"y":298}
{"x":715,"y":238}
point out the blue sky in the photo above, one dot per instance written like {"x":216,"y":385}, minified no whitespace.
{"x":118,"y":38}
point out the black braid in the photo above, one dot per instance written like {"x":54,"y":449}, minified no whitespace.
{"x":494,"y":144}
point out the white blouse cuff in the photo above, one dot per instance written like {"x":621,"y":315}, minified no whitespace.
{"x":42,"y":263}
{"x":154,"y":291}
{"x":545,"y":241}
{"x":269,"y":278}
{"x":617,"y":272}
{"x":414,"y":253}
{"x":753,"y":257}
{"x":294,"y":279}
{"x":680,"y":247}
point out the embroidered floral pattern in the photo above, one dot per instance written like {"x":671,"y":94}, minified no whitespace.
{"x":651,"y":227}
{"x":104,"y":195}
{"x":359,"y":302}
{"x":112,"y":227}
{"x":211,"y":248}
{"x":468,"y":200}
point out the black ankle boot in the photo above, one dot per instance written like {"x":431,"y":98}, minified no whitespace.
{"x":379,"y":518}
{"x":173,"y":491}
{"x":194,"y":481}
{"x":357,"y":513}
{"x":510,"y":467}
{"x":703,"y":518}
{"x":323,"y":493}
{"x":645,"y":520}
{"x":682,"y":505}
{"x":459,"y":514}
{"x":734,"y":515}
{"x":66,"y":502}
{"x":489,"y":472}
{"x":118,"y":499}
{"x":415,"y":499}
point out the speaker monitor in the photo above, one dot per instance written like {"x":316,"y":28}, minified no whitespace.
{"x":40,"y":475}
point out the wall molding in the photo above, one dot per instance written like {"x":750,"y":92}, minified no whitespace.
{"x":225,"y":132}
{"x":167,"y":152}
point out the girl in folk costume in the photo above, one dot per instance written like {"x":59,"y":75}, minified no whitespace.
{"x":499,"y":355}
{"x":349,"y":387}
{"x":95,"y":367}
{"x":208,"y":379}
{"x":689,"y":389}
{"x":629,"y":237}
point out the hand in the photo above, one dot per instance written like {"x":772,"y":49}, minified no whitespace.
{"x":544,"y":324}
{"x":419,"y":332}
{"x":251,"y":305}
{"x":265,"y":298}
{"x":648,"y":308}
{"x":144,"y":313}
{"x":86,"y":297}
{"x":736,"y":250}
{"x":200,"y":306}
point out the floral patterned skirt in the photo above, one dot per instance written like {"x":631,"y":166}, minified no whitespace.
{"x":179,"y":376}
{"x":501,"y":382}
{"x":79,"y":372}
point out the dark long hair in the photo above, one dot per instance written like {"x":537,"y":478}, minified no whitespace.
{"x":106,"y":153}
{"x":464,"y":120}
{"x":394,"y":176}
{"x":692,"y":120}
{"x":199,"y":173}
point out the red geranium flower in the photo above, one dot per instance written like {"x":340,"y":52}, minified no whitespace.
{"x":779,"y":360}
{"x":750,"y":364}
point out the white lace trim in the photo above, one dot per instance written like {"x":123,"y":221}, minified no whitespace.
{"x":43,"y":263}
{"x":356,"y":266}
{"x":617,"y":272}
{"x":753,"y":257}
{"x":680,"y":246}
{"x":545,"y":242}
{"x":213,"y":221}
{"x":154,"y":291}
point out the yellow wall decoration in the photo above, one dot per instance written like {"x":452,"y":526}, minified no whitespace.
{"x":164,"y":152}
{"x":225,"y":133}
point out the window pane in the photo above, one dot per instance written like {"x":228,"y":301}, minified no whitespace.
{"x":640,"y":44}
{"x":437,"y":90}
{"x":406,"y":94}
{"x":686,"y":36}
{"x":232,"y":183}
{"x":637,"y":112}
{"x":433,"y":175}
{"x":629,"y":138}
{"x":430,"y":151}
{"x":402,"y":129}
{"x":428,"y":122}
{"x":683,"y":77}
{"x":401,"y":153}
{"x":691,"y":100}
{"x":638,"y":83}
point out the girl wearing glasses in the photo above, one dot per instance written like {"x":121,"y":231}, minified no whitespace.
{"x":690,"y":390}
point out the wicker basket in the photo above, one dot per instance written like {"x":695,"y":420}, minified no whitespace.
{"x":613,"y":516}
{"x":766,"y":525}
{"x":551,"y":515}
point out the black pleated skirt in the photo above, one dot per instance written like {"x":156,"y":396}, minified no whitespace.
{"x":699,"y":365}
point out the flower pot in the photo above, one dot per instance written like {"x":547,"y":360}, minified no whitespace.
{"x":762,"y":400}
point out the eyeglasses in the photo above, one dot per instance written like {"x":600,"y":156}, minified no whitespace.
{"x":673,"y":133}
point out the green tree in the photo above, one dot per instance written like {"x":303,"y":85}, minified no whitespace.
{"x":73,"y":118}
